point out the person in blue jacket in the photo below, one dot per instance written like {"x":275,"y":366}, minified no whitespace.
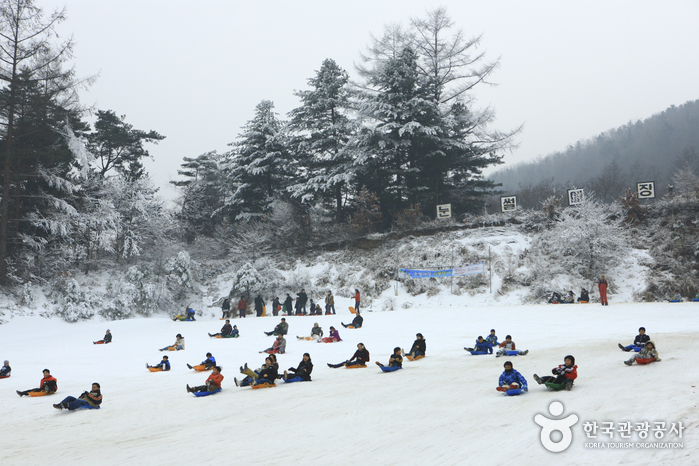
{"x":492,"y":340}
{"x":395,"y":361}
{"x":208,"y":363}
{"x":638,"y":343}
{"x":6,"y":369}
{"x":481,"y":347}
{"x":510,"y":379}
{"x":164,"y":364}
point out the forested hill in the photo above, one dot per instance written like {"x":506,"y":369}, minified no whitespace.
{"x":654,"y":149}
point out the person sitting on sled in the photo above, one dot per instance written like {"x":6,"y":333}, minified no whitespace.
{"x":164,"y":364}
{"x":268,"y":373}
{"x":279,"y":346}
{"x":107,"y":339}
{"x":395,"y":360}
{"x":555,"y":298}
{"x":177,"y":346}
{"x":584,"y":296}
{"x":508,"y":348}
{"x":359,"y":358}
{"x":316,"y":333}
{"x":419,"y":347}
{"x":510,"y":379}
{"x":638,"y":343}
{"x":302,"y":373}
{"x":646,"y":355}
{"x":226,"y":331}
{"x":356,"y":322}
{"x":208,"y":363}
{"x":48,"y":384}
{"x":492,"y":339}
{"x":481,"y":347}
{"x":565,"y":373}
{"x":281,"y":329}
{"x":332,"y":337}
{"x":213,"y":382}
{"x":189,"y":315}
{"x":5,"y":369}
{"x":569,"y":297}
{"x":92,"y":399}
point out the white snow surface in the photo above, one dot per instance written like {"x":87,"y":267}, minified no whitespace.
{"x":443,"y":409}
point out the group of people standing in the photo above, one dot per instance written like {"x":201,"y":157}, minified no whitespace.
{"x":584,"y":298}
{"x":302,"y":306}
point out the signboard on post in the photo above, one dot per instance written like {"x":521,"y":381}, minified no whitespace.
{"x":576,"y":196}
{"x":508,"y":203}
{"x":646,"y":190}
{"x":444,"y":211}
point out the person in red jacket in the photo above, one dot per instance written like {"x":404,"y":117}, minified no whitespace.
{"x":356,"y":300}
{"x":602,"y":285}
{"x":48,"y":384}
{"x":213,"y":382}
{"x":564,"y":374}
{"x":242,"y":307}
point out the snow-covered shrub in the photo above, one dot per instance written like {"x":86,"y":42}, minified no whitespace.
{"x":28,"y":298}
{"x":180,"y":274}
{"x":137,"y":293}
{"x":247,"y":282}
{"x":70,"y":301}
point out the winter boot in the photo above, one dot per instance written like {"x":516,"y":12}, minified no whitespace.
{"x":189,"y":365}
{"x":58,"y":406}
{"x":538,"y":379}
{"x":523,"y":353}
{"x":628,"y":363}
{"x":189,"y":389}
{"x":468,"y":349}
{"x":569,"y":386}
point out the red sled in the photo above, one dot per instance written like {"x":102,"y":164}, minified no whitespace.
{"x":4,"y":376}
{"x":645,"y":361}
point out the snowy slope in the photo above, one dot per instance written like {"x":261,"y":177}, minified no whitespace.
{"x":441,"y":410}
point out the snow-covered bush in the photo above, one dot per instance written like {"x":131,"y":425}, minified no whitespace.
{"x":137,"y":293}
{"x":70,"y":301}
{"x":180,"y":274}
{"x":247,"y":282}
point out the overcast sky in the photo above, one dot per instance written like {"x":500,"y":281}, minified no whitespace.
{"x":194,"y":70}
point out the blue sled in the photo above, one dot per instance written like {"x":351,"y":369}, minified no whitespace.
{"x":292,"y":380}
{"x":206,"y":393}
{"x":696,"y":300}
{"x":390,"y":368}
{"x":89,"y":407}
{"x":513,"y":392}
{"x":674,"y":300}
{"x":476,"y":353}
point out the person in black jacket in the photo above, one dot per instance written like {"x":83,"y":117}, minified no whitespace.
{"x":584,"y":296}
{"x":360,"y":358}
{"x":638,"y":343}
{"x":268,"y":373}
{"x":288,"y":305}
{"x":302,"y":373}
{"x":259,"y":305}
{"x":356,"y":322}
{"x":419,"y":347}
{"x":226,"y":330}
{"x":301,"y":301}
{"x":226,"y":309}
{"x":275,"y":306}
{"x":5,"y":369}
{"x":107,"y":339}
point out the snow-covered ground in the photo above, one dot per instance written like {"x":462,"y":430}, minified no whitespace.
{"x":443,"y":409}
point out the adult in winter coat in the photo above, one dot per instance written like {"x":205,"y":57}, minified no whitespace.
{"x":316,"y":333}
{"x":48,"y":384}
{"x":242,"y":307}
{"x":333,"y":337}
{"x":510,"y":379}
{"x":259,"y":305}
{"x":359,"y":358}
{"x":275,"y":306}
{"x":288,"y":305}
{"x":302,"y":373}
{"x":268,"y":373}
{"x":279,"y":346}
{"x":565,"y":373}
{"x":91,"y":399}
{"x":356,"y":322}
{"x":508,"y":348}
{"x":226,"y":331}
{"x":419,"y":347}
{"x":5,"y":369}
{"x":329,"y":303}
{"x":301,"y":301}
{"x":226,"y":309}
{"x":177,"y":346}
{"x":638,"y":343}
{"x":646,"y":355}
{"x":584,"y":296}
{"x":395,"y":360}
{"x":107,"y":339}
{"x":213,"y":382}
{"x":208,"y":363}
{"x":281,"y":329}
{"x":164,"y":364}
{"x":602,"y":285}
{"x":356,"y":300}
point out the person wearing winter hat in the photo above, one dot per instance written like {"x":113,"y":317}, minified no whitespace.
{"x":565,"y":374}
{"x":48,"y":384}
{"x":5,"y":370}
{"x":646,"y":355}
{"x":510,"y":379}
{"x":107,"y":339}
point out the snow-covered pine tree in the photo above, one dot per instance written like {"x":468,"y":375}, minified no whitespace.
{"x":247,"y":282}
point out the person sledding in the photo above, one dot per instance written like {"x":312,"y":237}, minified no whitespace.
{"x":492,"y":339}
{"x":647,"y":355}
{"x":563,"y":375}
{"x":91,"y":399}
{"x":332,"y":337}
{"x":638,"y":343}
{"x":395,"y":361}
{"x":164,"y":365}
{"x":282,"y":328}
{"x":419,"y":348}
{"x":555,"y":298}
{"x":188,"y":316}
{"x":511,"y":380}
{"x":107,"y":339}
{"x":208,"y":363}
{"x":5,"y":370}
{"x":226,"y":331}
{"x":278,"y":347}
{"x":212,"y":384}
{"x":302,"y":373}
{"x":508,"y":348}
{"x":356,"y":322}
{"x":569,"y":298}
{"x":480,"y":347}
{"x":316,"y":333}
{"x":358,"y":359}
{"x":584,"y":297}
{"x":177,"y":346}
{"x":48,"y":385}
{"x":267,"y":374}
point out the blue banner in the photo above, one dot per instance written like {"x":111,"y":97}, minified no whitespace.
{"x":455,"y":272}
